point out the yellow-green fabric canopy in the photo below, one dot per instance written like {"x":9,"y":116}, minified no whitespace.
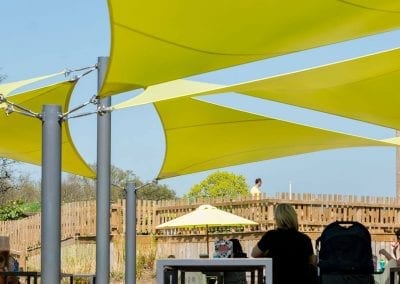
{"x":21,"y":138}
{"x":366,"y":88}
{"x":6,"y":89}
{"x":207,"y":136}
{"x":158,"y":41}
{"x":169,"y":90}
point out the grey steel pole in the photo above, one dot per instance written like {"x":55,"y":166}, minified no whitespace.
{"x":51,"y":194}
{"x":103,"y":184}
{"x":130,"y":234}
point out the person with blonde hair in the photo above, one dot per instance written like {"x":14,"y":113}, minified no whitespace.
{"x":291,"y":251}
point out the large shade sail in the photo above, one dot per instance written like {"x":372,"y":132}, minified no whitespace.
{"x":207,"y":136}
{"x":199,"y":36}
{"x":6,"y":89}
{"x":366,"y":88}
{"x":21,"y":137}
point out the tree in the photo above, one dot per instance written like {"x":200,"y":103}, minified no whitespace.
{"x":220,"y":184}
{"x":2,"y":77}
{"x":75,"y":188}
{"x":6,"y":178}
{"x":156,"y":192}
{"x":25,"y":190}
{"x":120,"y":177}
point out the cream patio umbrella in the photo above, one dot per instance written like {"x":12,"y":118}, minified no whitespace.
{"x":206,"y":216}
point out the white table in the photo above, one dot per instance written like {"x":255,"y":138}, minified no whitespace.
{"x":171,"y":266}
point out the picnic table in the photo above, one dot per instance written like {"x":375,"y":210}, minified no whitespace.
{"x":167,"y":269}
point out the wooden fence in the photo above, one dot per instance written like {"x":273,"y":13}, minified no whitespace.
{"x":381,"y":215}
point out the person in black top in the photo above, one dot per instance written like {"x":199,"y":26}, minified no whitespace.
{"x":291,"y":251}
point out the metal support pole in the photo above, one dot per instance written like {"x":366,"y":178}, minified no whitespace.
{"x":130,"y":235}
{"x":51,"y":194}
{"x":103,"y":184}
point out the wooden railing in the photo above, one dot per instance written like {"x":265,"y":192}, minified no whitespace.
{"x":381,"y":215}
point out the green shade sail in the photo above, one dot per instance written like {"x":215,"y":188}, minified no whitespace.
{"x":167,"y":91}
{"x":366,"y":89}
{"x":21,"y":137}
{"x":158,"y":41}
{"x":206,"y":136}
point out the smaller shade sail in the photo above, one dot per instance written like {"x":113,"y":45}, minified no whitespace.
{"x":169,"y":90}
{"x":207,"y":136}
{"x":394,"y":140}
{"x":21,"y":138}
{"x":365,"y":88}
{"x":159,"y":41}
{"x":6,"y":89}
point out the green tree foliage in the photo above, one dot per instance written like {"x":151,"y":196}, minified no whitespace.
{"x":11,"y":211}
{"x":32,"y":207}
{"x":220,"y":184}
{"x":119,"y":178}
{"x":156,"y":192}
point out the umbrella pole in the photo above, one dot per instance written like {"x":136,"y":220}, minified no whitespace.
{"x":208,"y":249}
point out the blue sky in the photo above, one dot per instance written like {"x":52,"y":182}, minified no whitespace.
{"x":42,"y":37}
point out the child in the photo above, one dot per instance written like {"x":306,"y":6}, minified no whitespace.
{"x":395,"y":247}
{"x":236,"y":277}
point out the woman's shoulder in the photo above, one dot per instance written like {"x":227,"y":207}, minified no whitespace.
{"x":291,"y":232}
{"x":303,"y":234}
{"x":304,"y":237}
{"x":272,"y":232}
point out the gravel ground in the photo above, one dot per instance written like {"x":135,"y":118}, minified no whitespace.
{"x":147,"y":278}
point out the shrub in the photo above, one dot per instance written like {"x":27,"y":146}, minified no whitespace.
{"x":11,"y":211}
